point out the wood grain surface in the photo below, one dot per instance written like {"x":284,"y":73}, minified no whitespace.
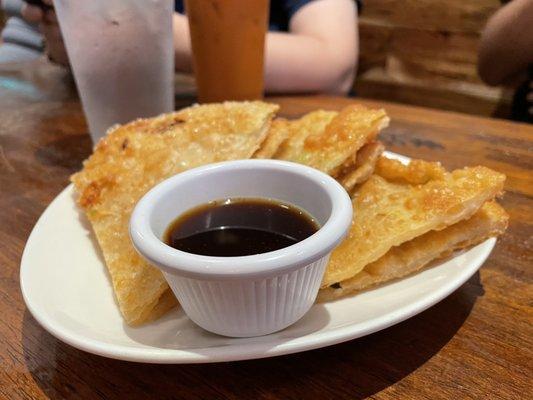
{"x":475,"y":344}
{"x":424,"y":52}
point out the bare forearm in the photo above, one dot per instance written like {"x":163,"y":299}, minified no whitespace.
{"x":298,"y":63}
{"x":320,"y":52}
{"x":506,"y":47}
{"x":182,"y":43}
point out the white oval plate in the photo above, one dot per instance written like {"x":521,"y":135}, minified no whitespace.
{"x":67,"y":289}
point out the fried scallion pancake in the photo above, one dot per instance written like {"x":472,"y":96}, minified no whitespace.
{"x":327,"y":140}
{"x":491,"y":220}
{"x":277,"y":134}
{"x":416,"y":172}
{"x":360,"y":171}
{"x":297,"y":131}
{"x":389,"y":213}
{"x":133,"y":158}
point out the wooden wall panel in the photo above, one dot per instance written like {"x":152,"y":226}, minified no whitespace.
{"x":429,"y":44}
{"x":436,"y":15}
{"x":374,"y":46}
{"x":430,"y":54}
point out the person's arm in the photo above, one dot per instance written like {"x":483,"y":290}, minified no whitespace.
{"x":320,"y":52}
{"x":182,"y":43}
{"x":506,"y":47}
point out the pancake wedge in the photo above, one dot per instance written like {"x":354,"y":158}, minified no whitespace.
{"x":491,"y":220}
{"x":327,"y":140}
{"x":277,"y":134}
{"x":387,"y":214}
{"x":133,"y":158}
{"x":417,"y":172}
{"x":297,"y":132}
{"x":360,"y":171}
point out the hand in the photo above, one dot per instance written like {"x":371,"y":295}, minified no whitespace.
{"x":47,"y":22}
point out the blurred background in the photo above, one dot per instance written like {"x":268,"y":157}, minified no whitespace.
{"x":424,"y":52}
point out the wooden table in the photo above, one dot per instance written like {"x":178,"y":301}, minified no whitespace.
{"x":477,"y":343}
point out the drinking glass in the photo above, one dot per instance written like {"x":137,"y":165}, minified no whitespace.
{"x":122,"y":56}
{"x":228,"y":40}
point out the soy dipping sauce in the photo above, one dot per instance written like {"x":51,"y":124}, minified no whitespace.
{"x":239,"y":227}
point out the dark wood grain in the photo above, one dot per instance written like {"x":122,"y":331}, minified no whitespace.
{"x":474,"y":344}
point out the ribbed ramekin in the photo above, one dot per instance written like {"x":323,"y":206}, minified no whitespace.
{"x":250,"y":295}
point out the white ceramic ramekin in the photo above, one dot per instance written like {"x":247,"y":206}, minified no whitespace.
{"x":251,"y":295}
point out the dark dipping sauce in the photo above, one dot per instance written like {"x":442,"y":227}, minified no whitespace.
{"x":239,"y":227}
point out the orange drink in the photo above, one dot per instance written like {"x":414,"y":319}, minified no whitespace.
{"x":228,"y":40}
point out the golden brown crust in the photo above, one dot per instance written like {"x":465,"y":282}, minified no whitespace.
{"x":387,"y":214}
{"x":299,"y":130}
{"x":360,"y":170}
{"x":491,"y":220}
{"x":133,"y":158}
{"x":277,"y":134}
{"x":326,"y":140}
{"x":416,"y":172}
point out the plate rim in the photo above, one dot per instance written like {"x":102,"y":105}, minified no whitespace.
{"x":245,"y":351}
